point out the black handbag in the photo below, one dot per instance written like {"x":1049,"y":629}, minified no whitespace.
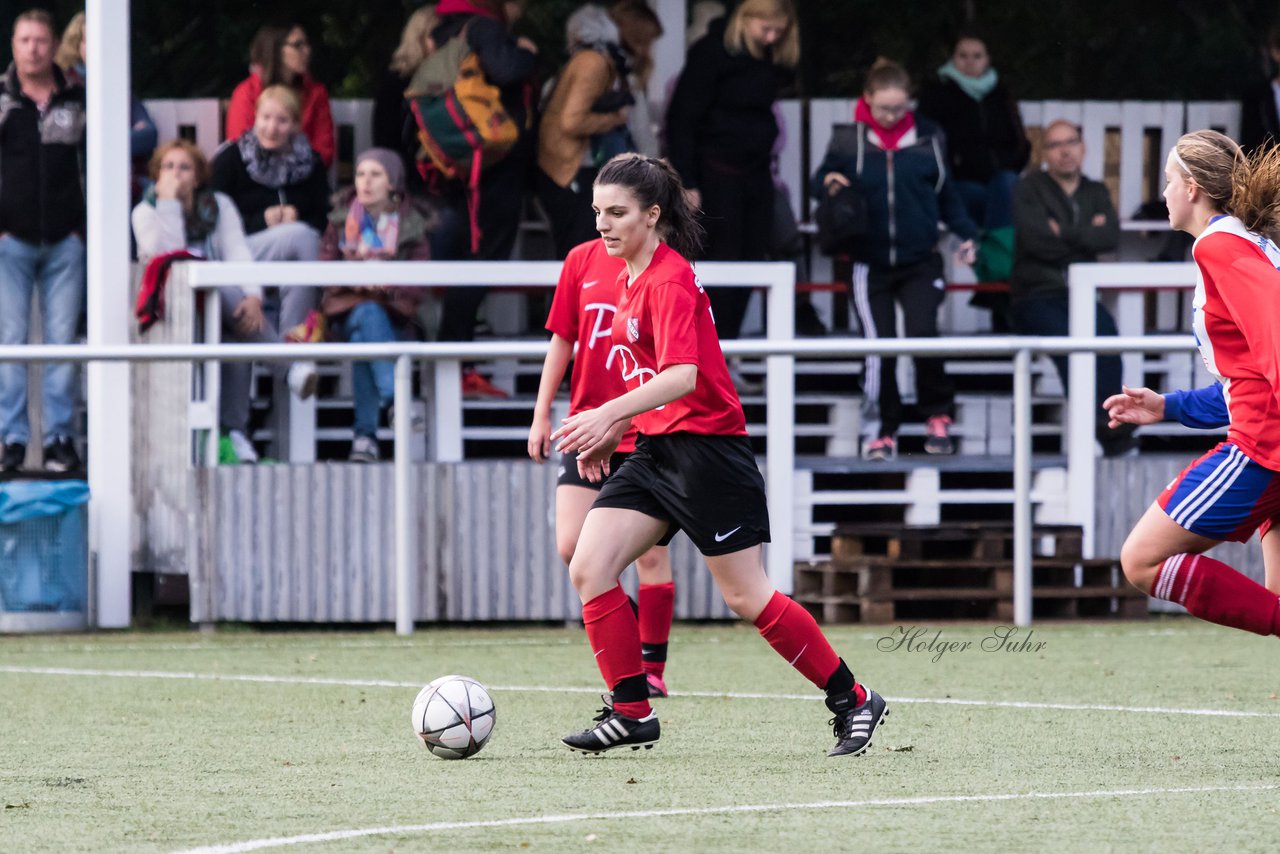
{"x":842,"y":217}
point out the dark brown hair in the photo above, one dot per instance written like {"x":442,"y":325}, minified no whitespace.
{"x":886,"y":74}
{"x":656,"y":182}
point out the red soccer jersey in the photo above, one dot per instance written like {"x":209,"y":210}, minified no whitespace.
{"x":582,"y":310}
{"x":1236,"y":318}
{"x":664,"y":319}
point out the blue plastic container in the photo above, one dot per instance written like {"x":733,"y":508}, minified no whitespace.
{"x":43,"y":548}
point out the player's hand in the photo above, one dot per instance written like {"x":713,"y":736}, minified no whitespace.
{"x":583,"y":432}
{"x":288,"y":213}
{"x":593,"y":471}
{"x":273,"y":215}
{"x":1134,"y":406}
{"x":540,"y":438}
{"x":248,"y":315}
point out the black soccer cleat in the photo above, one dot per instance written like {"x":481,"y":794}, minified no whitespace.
{"x":854,"y":727}
{"x":615,"y":730}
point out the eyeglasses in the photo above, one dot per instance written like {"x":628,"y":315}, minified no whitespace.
{"x":1061,"y":143}
{"x":894,"y":110}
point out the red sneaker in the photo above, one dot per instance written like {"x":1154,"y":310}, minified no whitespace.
{"x":475,"y":387}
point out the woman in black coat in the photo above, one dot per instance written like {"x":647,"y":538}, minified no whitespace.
{"x":985,"y":138}
{"x":720,"y":134}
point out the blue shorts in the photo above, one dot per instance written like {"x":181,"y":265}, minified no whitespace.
{"x":1224,"y":495}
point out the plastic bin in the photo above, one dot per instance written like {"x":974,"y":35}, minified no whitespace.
{"x":43,"y":556}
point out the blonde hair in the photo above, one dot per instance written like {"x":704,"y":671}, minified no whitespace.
{"x":285,"y":97}
{"x":68,"y":55}
{"x":413,"y":39}
{"x":786,"y":52}
{"x":1248,"y":188}
{"x":192,"y":150}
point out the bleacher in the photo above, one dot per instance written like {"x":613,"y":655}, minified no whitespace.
{"x":1125,"y":145}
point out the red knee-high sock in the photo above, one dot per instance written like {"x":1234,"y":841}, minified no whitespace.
{"x":615,"y":639}
{"x":794,"y":635}
{"x":657,"y":604}
{"x":1213,"y":591}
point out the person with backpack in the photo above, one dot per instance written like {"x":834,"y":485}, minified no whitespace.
{"x":583,"y":125}
{"x":898,"y":160}
{"x":473,"y":38}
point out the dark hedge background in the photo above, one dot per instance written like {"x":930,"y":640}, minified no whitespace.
{"x":1103,"y":49}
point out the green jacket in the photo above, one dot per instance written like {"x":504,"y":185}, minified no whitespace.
{"x":1040,"y":257}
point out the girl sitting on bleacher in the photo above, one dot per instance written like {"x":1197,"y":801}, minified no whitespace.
{"x":374,"y":221}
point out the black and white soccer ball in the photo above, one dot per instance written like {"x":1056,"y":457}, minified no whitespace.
{"x":454,"y":717}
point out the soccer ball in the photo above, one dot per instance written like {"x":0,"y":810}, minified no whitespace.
{"x":454,"y":717}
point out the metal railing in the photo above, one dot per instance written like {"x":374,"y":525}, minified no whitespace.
{"x":780,"y":418}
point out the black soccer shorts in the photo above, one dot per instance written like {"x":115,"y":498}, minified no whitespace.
{"x":568,"y":475}
{"x":707,"y":486}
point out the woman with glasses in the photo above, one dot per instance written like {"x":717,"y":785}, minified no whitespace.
{"x":282,"y":56}
{"x":898,"y":160}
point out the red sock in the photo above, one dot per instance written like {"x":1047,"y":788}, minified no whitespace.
{"x":657,"y":604}
{"x":1213,"y":591}
{"x":614,"y":636}
{"x":794,"y":635}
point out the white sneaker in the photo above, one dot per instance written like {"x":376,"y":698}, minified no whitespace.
{"x":364,"y":449}
{"x":242,"y":446}
{"x":303,"y":379}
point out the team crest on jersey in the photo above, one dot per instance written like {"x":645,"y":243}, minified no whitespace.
{"x":633,"y":329}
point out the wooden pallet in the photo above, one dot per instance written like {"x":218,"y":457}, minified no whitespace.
{"x":883,"y":573}
{"x":985,"y":540}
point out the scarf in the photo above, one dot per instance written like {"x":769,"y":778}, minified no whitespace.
{"x":976,"y":88}
{"x":889,"y":137}
{"x":201,"y":220}
{"x":466,"y":7}
{"x":363,"y":236}
{"x":276,"y":169}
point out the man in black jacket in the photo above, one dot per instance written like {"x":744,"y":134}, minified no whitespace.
{"x":42,"y":222}
{"x":1060,"y":218}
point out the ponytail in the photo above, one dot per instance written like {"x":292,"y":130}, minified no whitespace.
{"x":656,"y":182}
{"x":1255,"y":191}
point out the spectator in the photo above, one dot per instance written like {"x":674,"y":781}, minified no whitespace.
{"x":281,"y":56}
{"x":720,"y":135}
{"x":142,"y":128}
{"x":899,"y":161}
{"x":1061,"y":218}
{"x":583,"y":125}
{"x":42,"y":222}
{"x":373,"y":221}
{"x":392,"y":124}
{"x":988,"y":149}
{"x":1259,"y":118}
{"x":639,"y":28}
{"x":280,"y":187}
{"x":178,"y":212}
{"x":508,"y":63}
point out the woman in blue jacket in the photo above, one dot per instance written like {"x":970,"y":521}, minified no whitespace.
{"x":898,"y":160}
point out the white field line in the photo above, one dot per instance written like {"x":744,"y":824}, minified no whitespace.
{"x":338,"y":835}
{"x":567,"y":689}
{"x":427,"y":642}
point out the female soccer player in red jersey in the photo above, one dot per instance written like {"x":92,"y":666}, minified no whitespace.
{"x":692,"y":468}
{"x":582,"y":310}
{"x":1231,"y":206}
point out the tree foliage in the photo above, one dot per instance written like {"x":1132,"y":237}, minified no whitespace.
{"x":1078,"y":49}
